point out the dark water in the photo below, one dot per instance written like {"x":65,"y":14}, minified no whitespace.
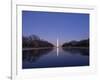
{"x":46,"y":58}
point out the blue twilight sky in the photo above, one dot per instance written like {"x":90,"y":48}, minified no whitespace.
{"x":50,"y":25}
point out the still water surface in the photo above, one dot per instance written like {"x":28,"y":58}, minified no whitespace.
{"x":46,"y":58}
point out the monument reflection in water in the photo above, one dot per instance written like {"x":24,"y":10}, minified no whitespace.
{"x":45,"y":58}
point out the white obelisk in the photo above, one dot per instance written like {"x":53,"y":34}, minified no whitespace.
{"x":57,"y":46}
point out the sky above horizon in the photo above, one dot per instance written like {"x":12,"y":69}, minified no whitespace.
{"x":52,"y":25}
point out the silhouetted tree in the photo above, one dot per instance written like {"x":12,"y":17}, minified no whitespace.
{"x":81,"y":43}
{"x":34,"y":41}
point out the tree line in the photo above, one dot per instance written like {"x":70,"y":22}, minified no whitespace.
{"x":81,"y":43}
{"x":34,"y":41}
